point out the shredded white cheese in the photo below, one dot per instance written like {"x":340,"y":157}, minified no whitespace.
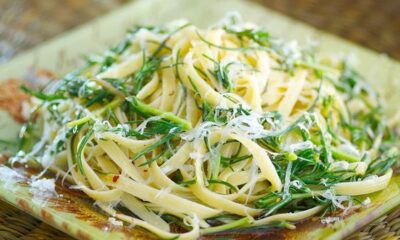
{"x":340,"y":165}
{"x":366,"y":202}
{"x":287,"y":180}
{"x":9,"y":177}
{"x":25,"y":110}
{"x":248,"y":125}
{"x":253,"y":179}
{"x":349,"y":148}
{"x":296,"y":183}
{"x":19,"y":157}
{"x":143,"y":125}
{"x":291,"y":51}
{"x":42,"y":190}
{"x":337,"y":200}
{"x":115,"y":222}
{"x":330,"y":220}
{"x":299,"y":146}
{"x":202,"y":130}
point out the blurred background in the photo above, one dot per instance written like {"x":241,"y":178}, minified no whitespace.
{"x":371,"y":23}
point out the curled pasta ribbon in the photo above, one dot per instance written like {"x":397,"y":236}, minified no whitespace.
{"x":365,"y":186}
{"x":263,"y":161}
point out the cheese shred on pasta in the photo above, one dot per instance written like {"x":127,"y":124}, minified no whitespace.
{"x":212,"y":129}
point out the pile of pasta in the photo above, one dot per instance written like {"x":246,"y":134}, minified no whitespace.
{"x":203,"y":126}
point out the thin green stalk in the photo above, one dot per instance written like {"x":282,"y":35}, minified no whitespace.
{"x":235,"y":224}
{"x":232,"y":48}
{"x":229,"y":161}
{"x":336,"y":153}
{"x":215,"y":166}
{"x":79,"y":121}
{"x":99,"y":112}
{"x":40,"y":95}
{"x":147,"y":109}
{"x":81,"y":145}
{"x":216,"y":181}
{"x":285,"y":224}
{"x":315,"y":66}
{"x":158,"y":156}
{"x":160,"y":142}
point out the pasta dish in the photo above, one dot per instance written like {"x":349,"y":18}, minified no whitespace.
{"x":186,"y":131}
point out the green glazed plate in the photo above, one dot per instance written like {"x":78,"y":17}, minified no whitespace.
{"x":76,"y":215}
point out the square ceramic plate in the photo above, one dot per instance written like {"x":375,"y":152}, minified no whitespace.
{"x":74,"y":213}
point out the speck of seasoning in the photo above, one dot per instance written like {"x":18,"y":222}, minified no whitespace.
{"x":115,"y":178}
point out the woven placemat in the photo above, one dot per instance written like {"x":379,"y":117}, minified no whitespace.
{"x":15,"y":224}
{"x":26,"y":23}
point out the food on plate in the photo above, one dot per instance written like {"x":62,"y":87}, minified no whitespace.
{"x":212,"y":129}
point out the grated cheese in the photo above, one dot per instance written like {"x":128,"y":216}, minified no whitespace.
{"x":349,"y":148}
{"x":199,"y":132}
{"x":330,"y":220}
{"x":366,"y":202}
{"x":296,"y":183}
{"x":9,"y":177}
{"x":299,"y":146}
{"x":25,"y":110}
{"x":248,"y":126}
{"x":143,"y":125}
{"x":115,"y":222}
{"x":337,"y":200}
{"x":287,"y":180}
{"x":42,"y":190}
{"x":253,"y":179}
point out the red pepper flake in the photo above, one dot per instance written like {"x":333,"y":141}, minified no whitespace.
{"x":115,"y":178}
